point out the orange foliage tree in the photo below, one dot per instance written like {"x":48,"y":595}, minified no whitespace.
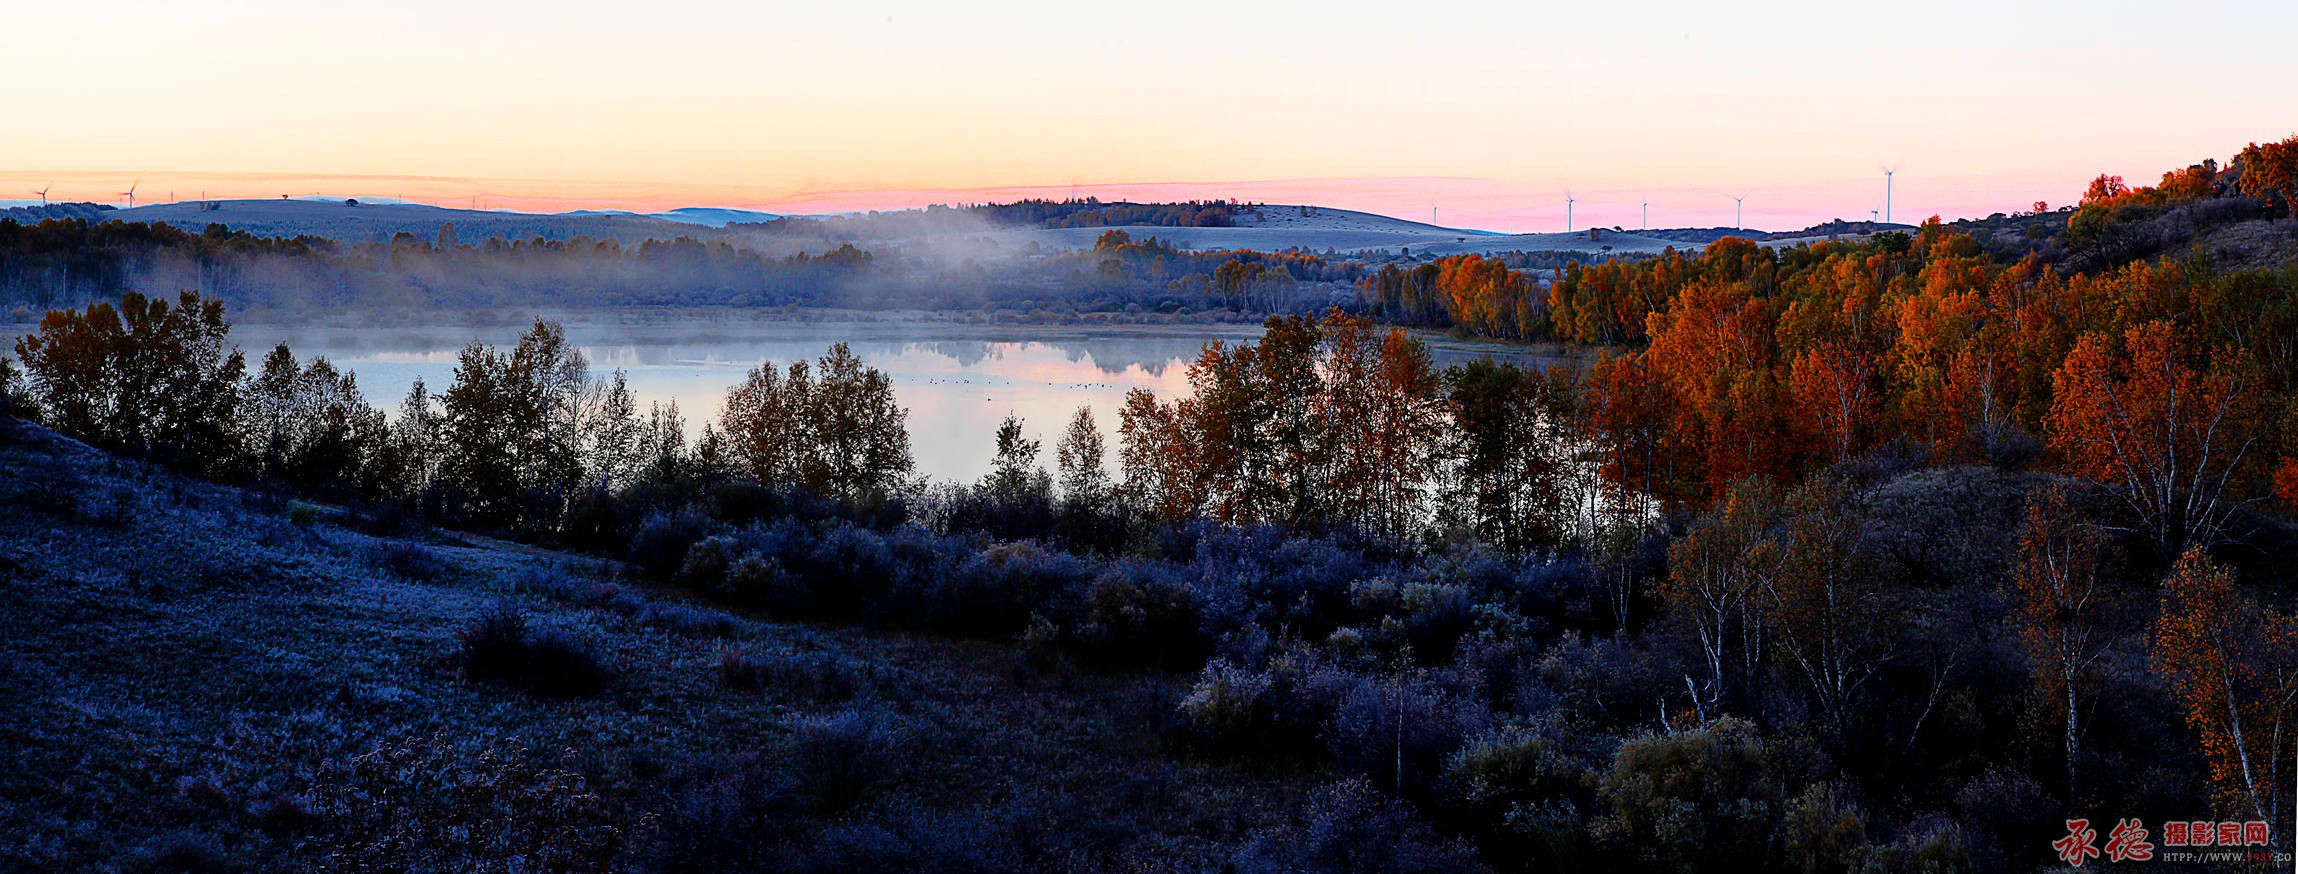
{"x":2170,"y":436}
{"x":1714,"y":353}
{"x":2271,"y":171}
{"x":2230,"y":668}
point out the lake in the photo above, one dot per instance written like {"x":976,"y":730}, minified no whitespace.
{"x":957,"y":378}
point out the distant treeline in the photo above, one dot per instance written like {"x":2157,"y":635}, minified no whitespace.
{"x":73,"y":262}
{"x":1084,"y":213}
{"x":74,"y":210}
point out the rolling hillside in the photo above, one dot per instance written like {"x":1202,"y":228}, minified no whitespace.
{"x":369,"y":222}
{"x":197,"y":678}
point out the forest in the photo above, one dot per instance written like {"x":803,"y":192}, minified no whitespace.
{"x":1882,"y":555}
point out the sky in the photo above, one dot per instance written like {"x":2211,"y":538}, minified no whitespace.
{"x":1492,"y":114}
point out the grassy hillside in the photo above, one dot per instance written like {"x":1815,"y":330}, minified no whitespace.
{"x":200,"y":678}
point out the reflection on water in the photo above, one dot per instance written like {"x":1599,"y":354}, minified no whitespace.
{"x":957,"y":380}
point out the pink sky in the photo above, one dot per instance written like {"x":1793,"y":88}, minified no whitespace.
{"x":1491,"y":112}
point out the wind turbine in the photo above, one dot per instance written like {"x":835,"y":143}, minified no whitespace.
{"x":1871,"y":216}
{"x":44,"y":194}
{"x":1568,"y":201}
{"x":1647,"y":215}
{"x":131,"y":193}
{"x":1738,"y":204}
{"x":1887,"y":171}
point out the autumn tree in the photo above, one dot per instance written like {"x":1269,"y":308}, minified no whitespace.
{"x":1834,"y":385}
{"x":411,"y":458}
{"x":1714,"y":353}
{"x":1161,"y":479}
{"x":834,"y":429}
{"x":1381,"y":416}
{"x":2271,"y":171}
{"x":611,"y":435}
{"x":145,"y":377}
{"x":308,"y":426}
{"x":765,"y":423}
{"x":1515,"y":447}
{"x":1716,"y":572}
{"x":510,"y":429}
{"x":1226,"y":421}
{"x":2059,"y":609}
{"x":859,"y":428}
{"x":2167,"y":429}
{"x":1626,"y":420}
{"x":665,"y":455}
{"x":1079,"y":455}
{"x":15,"y":399}
{"x":1288,"y":380}
{"x":2231,"y":668}
{"x":1014,"y":474}
{"x":1826,"y":609}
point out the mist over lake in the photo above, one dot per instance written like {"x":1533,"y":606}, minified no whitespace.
{"x":957,"y":379}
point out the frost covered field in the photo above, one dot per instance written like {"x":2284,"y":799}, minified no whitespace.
{"x":192,"y":674}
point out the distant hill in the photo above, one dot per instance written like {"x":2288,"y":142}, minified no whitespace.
{"x":705,"y":216}
{"x":373,"y":222}
{"x":1261,"y":227}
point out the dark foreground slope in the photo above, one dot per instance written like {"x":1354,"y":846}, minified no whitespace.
{"x":197,"y":678}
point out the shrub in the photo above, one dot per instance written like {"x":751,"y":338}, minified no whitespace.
{"x":691,"y":621}
{"x":1350,"y":826}
{"x":498,"y":647}
{"x":1824,"y":829}
{"x":840,"y":760}
{"x":185,"y":854}
{"x":725,"y":814}
{"x":848,"y":571}
{"x":1399,"y":730}
{"x":119,"y":507}
{"x":1931,"y":846}
{"x":996,"y":591}
{"x":705,"y":564}
{"x":1436,"y":617}
{"x":53,"y":488}
{"x":740,"y":502}
{"x":1699,"y":799}
{"x":494,"y":645}
{"x":407,"y":561}
{"x":1227,"y":709}
{"x":1523,"y":791}
{"x":595,"y":521}
{"x":813,"y":677}
{"x":439,"y":804}
{"x":1142,"y":613}
{"x":558,"y":666}
{"x":937,"y":841}
{"x":1500,"y":767}
{"x":659,"y":545}
{"x":758,"y":581}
